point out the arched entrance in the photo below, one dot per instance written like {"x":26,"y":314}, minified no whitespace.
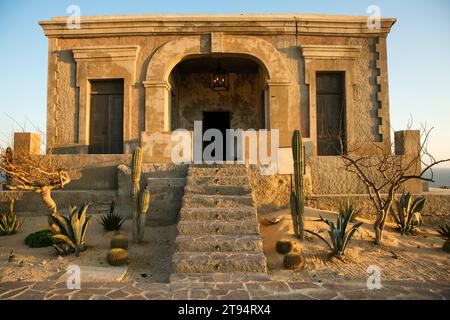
{"x":221,"y":92}
{"x":273,"y":79}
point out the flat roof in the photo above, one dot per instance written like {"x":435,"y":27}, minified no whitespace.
{"x":292,"y":23}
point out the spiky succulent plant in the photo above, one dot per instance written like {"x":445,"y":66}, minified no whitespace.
{"x":338,"y":233}
{"x":112,"y":221}
{"x":406,"y":213}
{"x":444,"y":230}
{"x":9,"y":224}
{"x":70,"y":230}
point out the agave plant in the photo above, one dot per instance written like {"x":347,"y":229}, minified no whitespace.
{"x":112,"y":221}
{"x":349,"y":207}
{"x":444,"y":230}
{"x":70,"y":230}
{"x":9,"y":224}
{"x":406,"y":213}
{"x":338,"y":233}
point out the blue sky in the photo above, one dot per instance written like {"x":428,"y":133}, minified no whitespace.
{"x":418,"y":46}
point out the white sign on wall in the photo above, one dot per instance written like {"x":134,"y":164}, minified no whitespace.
{"x":285,"y":161}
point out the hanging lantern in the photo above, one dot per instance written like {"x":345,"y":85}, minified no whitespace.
{"x":218,"y":79}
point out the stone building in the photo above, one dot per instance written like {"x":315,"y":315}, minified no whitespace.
{"x":116,"y":82}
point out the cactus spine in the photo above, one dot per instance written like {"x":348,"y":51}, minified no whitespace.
{"x":297,"y":200}
{"x":141,"y":201}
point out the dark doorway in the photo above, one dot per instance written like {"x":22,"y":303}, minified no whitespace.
{"x":219,"y":121}
{"x":106,"y":124}
{"x":330,"y":114}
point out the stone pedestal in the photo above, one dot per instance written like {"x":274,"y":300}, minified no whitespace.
{"x":407,"y":144}
{"x":27,"y":143}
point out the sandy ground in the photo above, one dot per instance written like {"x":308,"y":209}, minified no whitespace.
{"x":417,"y":257}
{"x":148,"y":262}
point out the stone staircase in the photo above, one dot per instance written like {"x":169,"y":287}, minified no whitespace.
{"x":218,"y":227}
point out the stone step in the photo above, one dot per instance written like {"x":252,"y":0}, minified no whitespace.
{"x":219,"y":277}
{"x":217,"y":214}
{"x":217,"y":201}
{"x":218,"y":190}
{"x":166,"y":193}
{"x":218,"y":262}
{"x":217,"y":171}
{"x":218,"y":243}
{"x":236,"y":227}
{"x":166,"y":170}
{"x":166,"y":182}
{"x":217,"y":181}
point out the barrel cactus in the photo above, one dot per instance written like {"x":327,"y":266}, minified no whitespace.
{"x":293,"y":261}
{"x":284,"y":246}
{"x":120,"y":242}
{"x":117,"y":257}
{"x":446,"y":246}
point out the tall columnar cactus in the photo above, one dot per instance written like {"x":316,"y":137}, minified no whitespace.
{"x":140,"y":200}
{"x":297,"y":200}
{"x":144,"y":203}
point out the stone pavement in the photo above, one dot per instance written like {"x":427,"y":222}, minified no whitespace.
{"x":224,"y":287}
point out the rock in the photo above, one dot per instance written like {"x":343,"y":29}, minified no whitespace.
{"x":100,"y":274}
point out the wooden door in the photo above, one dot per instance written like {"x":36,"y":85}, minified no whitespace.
{"x":106,"y":126}
{"x":330,"y":103}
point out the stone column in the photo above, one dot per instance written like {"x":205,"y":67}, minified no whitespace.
{"x":157,"y":108}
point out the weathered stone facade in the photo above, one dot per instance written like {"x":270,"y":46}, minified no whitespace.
{"x":160,"y":95}
{"x":143,"y":50}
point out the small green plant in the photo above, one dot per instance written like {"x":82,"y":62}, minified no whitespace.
{"x":444,"y":230}
{"x":40,"y":239}
{"x":112,"y":221}
{"x":338,"y":233}
{"x":406,"y":213}
{"x":284,"y":246}
{"x":70,"y":230}
{"x":9,"y":224}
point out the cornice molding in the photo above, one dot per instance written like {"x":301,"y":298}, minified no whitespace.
{"x":294,"y":24}
{"x":319,"y":52}
{"x":103,"y":53}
